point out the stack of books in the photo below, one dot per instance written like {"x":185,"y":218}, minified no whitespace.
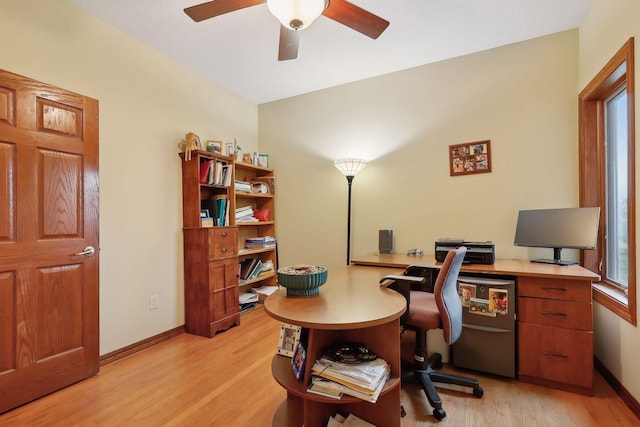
{"x":260,"y":242}
{"x":245,"y":214}
{"x":364,"y":380}
{"x":243,"y":186}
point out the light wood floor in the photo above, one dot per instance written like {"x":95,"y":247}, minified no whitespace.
{"x":226,"y":381}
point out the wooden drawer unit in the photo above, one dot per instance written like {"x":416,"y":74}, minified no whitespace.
{"x":555,"y":333}
{"x":211,"y":281}
{"x":557,"y":355}
{"x":223,"y":242}
{"x":558,"y":313}
{"x":560,"y":289}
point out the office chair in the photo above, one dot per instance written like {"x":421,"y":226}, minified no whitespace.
{"x":441,"y":309}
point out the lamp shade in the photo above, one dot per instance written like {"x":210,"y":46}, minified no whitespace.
{"x":296,"y":14}
{"x":350,"y":167}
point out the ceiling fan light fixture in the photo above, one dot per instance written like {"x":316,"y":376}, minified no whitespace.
{"x":297,"y":14}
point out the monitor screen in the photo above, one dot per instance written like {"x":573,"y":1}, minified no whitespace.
{"x":575,"y":228}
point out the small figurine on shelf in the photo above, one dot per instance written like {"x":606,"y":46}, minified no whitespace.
{"x":190,"y":143}
{"x":246,"y":158}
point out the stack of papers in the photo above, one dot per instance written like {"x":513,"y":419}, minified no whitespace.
{"x":247,"y":301}
{"x":265,"y":290}
{"x":363,"y":380}
{"x":350,"y":421}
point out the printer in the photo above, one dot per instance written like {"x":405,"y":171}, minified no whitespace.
{"x":477,"y":252}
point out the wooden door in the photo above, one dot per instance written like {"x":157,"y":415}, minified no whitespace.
{"x":48,"y":216}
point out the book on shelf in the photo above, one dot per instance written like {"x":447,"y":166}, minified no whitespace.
{"x":260,"y":242}
{"x":243,"y":186}
{"x":267,"y":267}
{"x":226,"y":175}
{"x":244,"y":211}
{"x":205,"y":165}
{"x":221,"y":209}
{"x":247,"y":267}
{"x":298,"y":360}
{"x":206,"y":222}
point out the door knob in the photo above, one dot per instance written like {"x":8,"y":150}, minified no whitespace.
{"x":88,"y":251}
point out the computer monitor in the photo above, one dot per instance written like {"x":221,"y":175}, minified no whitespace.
{"x":571,"y":228}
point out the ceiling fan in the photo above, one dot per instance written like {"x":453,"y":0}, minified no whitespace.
{"x":295,"y":15}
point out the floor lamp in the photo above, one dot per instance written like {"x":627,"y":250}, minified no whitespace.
{"x":349,"y":168}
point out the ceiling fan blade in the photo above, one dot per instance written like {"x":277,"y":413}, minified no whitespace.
{"x":213,"y":8}
{"x":288,"y":44}
{"x":356,"y":18}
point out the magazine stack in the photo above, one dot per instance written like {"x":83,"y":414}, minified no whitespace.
{"x":364,"y":380}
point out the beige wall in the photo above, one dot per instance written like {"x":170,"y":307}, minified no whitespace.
{"x":522,"y":97}
{"x":606,"y":28}
{"x":147,"y":104}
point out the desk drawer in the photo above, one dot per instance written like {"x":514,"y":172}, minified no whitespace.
{"x":558,"y":289}
{"x":556,"y":354}
{"x":561,"y":314}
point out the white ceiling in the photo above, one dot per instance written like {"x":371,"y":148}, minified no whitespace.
{"x":238,"y":50}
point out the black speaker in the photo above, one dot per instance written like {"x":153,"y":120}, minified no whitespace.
{"x":385,"y":241}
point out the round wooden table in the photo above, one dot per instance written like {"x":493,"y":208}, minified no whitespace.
{"x":351,"y":307}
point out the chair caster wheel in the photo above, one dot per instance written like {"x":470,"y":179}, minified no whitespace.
{"x":478,"y":392}
{"x":439,"y":413}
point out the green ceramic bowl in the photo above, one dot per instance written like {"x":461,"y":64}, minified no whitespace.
{"x":302,"y":279}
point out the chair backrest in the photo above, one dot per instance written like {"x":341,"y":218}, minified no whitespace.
{"x":446,"y":294}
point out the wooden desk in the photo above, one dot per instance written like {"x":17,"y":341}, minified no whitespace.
{"x":351,"y":306}
{"x":554,"y":317}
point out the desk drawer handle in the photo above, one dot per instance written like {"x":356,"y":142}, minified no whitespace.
{"x":547,"y":288}
{"x":548,"y":313}
{"x":223,"y":250}
{"x":546,"y":353}
{"x":224,"y":234}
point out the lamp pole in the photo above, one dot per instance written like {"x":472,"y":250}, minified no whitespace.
{"x":349,"y":168}
{"x":349,"y":181}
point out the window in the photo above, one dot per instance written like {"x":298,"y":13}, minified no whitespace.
{"x":617,"y":155}
{"x":607,"y":179}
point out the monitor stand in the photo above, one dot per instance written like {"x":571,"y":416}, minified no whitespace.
{"x":556,"y":259}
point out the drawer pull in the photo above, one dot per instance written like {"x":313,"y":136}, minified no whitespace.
{"x":548,"y":313}
{"x":548,"y":288}
{"x":224,"y":234}
{"x":547,"y":353}
{"x":224,"y":250}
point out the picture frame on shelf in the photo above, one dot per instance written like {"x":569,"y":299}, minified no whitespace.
{"x":470,"y":158}
{"x":229,"y":149}
{"x":263,"y":160}
{"x":289,"y":339}
{"x":214,"y":146}
{"x":204,"y":213}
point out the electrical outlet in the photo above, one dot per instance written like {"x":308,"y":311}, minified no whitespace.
{"x":153,"y":302}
